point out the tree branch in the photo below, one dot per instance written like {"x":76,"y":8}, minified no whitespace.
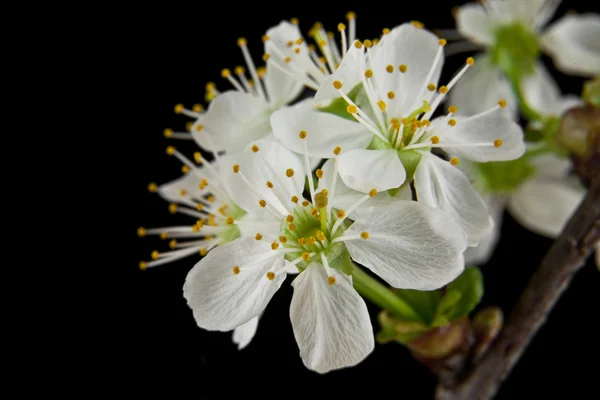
{"x":566,"y":256}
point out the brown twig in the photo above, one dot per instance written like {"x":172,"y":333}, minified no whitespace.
{"x":565,"y":257}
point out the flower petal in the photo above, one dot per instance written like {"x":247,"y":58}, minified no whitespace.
{"x":480,"y":89}
{"x":364,"y":170}
{"x":171,"y":191}
{"x":281,"y":87}
{"x":325,"y":131}
{"x":222,"y":299}
{"x":243,"y":334}
{"x":573,"y":44}
{"x":331,"y":322}
{"x":269,"y":164}
{"x":410,"y":245}
{"x":544,"y":206}
{"x":483,"y":130}
{"x":417,"y":49}
{"x":280,"y":36}
{"x":550,"y":165}
{"x":349,"y":73}
{"x":474,"y":23}
{"x":482,"y":253}
{"x":441,"y":185}
{"x":233,"y":120}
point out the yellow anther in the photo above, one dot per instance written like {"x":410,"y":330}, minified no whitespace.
{"x":295,"y":199}
{"x":403,"y":68}
{"x":431,"y":87}
{"x":242,"y":42}
{"x":341,"y":27}
{"x":269,"y":184}
{"x":435,"y":139}
{"x":442,"y":42}
{"x":405,"y":121}
{"x":188,"y":126}
{"x":302,"y":241}
{"x":198,"y":157}
{"x":195,"y":229}
{"x":270,"y":275}
{"x":262,"y":203}
{"x":311,"y":47}
{"x":325,"y":193}
{"x":229,"y":220}
{"x":239,"y":70}
{"x":163,"y":235}
{"x":385,"y":31}
{"x":262,"y":71}
{"x":185,"y":169}
{"x":331,"y":280}
{"x":357,"y":44}
{"x":289,"y":219}
{"x":389,"y":68}
{"x":311,"y":240}
{"x":290,"y":43}
{"x":391,"y":95}
{"x":368,"y":73}
{"x":330,"y":35}
{"x":443,"y":89}
{"x":173,"y":244}
{"x":199,"y":128}
{"x":266,"y":56}
{"x":375,"y":41}
{"x":287,"y":59}
{"x":199,"y":206}
{"x":364,"y":235}
{"x":168,"y":133}
{"x":170,"y":150}
{"x":255,"y":148}
{"x":178,"y":108}
{"x":302,"y":135}
{"x":382,"y":105}
{"x":368,"y":43}
{"x":142,"y":265}
{"x":306,"y":256}
{"x":337,"y":84}
{"x":352,"y":109}
{"x":319,"y":173}
{"x":320,"y":236}
{"x":337,"y":150}
{"x":426,"y":122}
{"x":299,"y":41}
{"x":417,"y":24}
{"x":314,"y":212}
{"x":283,"y":239}
{"x":274,"y":245}
{"x":426,"y":106}
{"x":203,"y":183}
{"x":297,"y":50}
{"x":183,"y":192}
{"x":152,"y":187}
{"x":452,"y":122}
{"x":265,"y":38}
{"x":203,"y":251}
{"x":341,"y":214}
{"x":502,"y":103}
{"x":453,"y":109}
{"x":294,"y":21}
{"x":497,"y":143}
{"x":470,"y":61}
{"x":141,"y":232}
{"x":322,"y":43}
{"x":236,"y":168}
{"x":305,"y":203}
{"x":291,"y":227}
{"x":454,"y":161}
{"x":172,"y":208}
{"x":236,"y":270}
{"x":225,"y":73}
{"x":258,"y":236}
{"x":350,"y":15}
{"x":289,"y":172}
{"x":373,"y":192}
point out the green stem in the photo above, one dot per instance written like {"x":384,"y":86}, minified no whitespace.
{"x":379,"y":294}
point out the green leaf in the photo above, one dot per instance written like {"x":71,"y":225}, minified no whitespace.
{"x":339,"y":106}
{"x":462,"y":295}
{"x":424,"y":303}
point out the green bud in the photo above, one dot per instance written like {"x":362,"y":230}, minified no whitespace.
{"x":591,"y":92}
{"x":486,"y":325}
{"x":516,"y":49}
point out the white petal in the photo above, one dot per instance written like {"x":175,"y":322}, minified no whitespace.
{"x":530,"y":12}
{"x":474,"y":23}
{"x":480,"y":89}
{"x":364,"y":170}
{"x":243,"y":334}
{"x":410,"y":245}
{"x":416,"y":48}
{"x":171,"y":191}
{"x":277,"y":46}
{"x":482,"y":253}
{"x":235,"y":119}
{"x":265,"y":223}
{"x":550,"y":165}
{"x":331,"y":322}
{"x":544,"y":206}
{"x":485,"y":130}
{"x":325,"y":131}
{"x":573,"y":44}
{"x":349,"y":73}
{"x":441,"y":185}
{"x":269,"y":164}
{"x":281,"y":87}
{"x":222,"y":300}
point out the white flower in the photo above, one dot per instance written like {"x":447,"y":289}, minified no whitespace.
{"x":407,"y":244}
{"x":387,"y":128}
{"x":572,"y":41}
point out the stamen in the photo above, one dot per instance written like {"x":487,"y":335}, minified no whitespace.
{"x":243,"y":45}
{"x":225,"y":73}
{"x":351,"y":209}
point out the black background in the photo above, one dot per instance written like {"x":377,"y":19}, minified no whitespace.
{"x":170,"y":54}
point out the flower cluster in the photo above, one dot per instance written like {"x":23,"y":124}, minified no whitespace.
{"x":359,"y":173}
